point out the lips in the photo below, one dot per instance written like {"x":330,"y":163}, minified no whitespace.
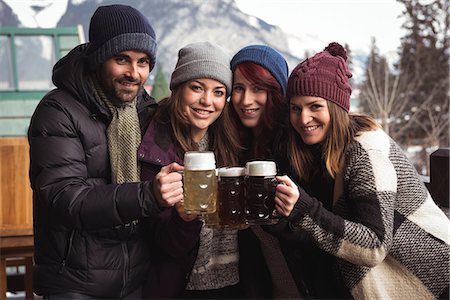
{"x":201,"y":113}
{"x":310,"y":128}
{"x":249,"y":111}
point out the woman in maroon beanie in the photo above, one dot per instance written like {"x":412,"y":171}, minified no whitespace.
{"x":364,"y":225}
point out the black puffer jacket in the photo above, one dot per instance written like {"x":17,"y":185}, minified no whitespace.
{"x":87,"y":239}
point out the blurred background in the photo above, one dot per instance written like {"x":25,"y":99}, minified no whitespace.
{"x":398,"y":54}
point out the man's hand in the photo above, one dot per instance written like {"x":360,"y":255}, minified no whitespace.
{"x":168,"y":185}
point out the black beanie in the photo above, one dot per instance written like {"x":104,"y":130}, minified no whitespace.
{"x":117,"y":28}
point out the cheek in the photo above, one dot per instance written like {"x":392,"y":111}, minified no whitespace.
{"x":326,"y":122}
{"x":144,"y":75}
{"x":220,"y":104}
{"x":262,"y":99}
{"x":235,"y":99}
{"x":293,"y":118}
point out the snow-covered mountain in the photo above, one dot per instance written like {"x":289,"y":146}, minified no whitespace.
{"x":176,"y":23}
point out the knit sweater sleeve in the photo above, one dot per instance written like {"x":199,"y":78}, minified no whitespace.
{"x":360,"y":227}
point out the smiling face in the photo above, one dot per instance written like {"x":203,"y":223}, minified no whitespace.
{"x":202,"y":102}
{"x":248,"y":100}
{"x":122,"y":75}
{"x":310,"y":117}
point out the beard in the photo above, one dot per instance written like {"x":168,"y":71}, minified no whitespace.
{"x":121,"y":90}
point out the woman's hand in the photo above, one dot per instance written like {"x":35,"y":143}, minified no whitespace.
{"x":286,"y":195}
{"x":168,"y":185}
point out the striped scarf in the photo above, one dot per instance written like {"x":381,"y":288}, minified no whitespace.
{"x":124,"y":137}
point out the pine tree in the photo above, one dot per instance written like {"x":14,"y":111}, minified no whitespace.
{"x":160,"y":87}
{"x":424,"y":63}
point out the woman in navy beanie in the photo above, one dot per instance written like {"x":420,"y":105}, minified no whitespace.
{"x":259,"y":109}
{"x":259,"y":112}
{"x":363,"y":225}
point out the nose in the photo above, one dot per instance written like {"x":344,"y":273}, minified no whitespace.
{"x":206,"y":99}
{"x":247,"y":98}
{"x":132,"y":71}
{"x":301,"y":118}
{"x":305,"y":117}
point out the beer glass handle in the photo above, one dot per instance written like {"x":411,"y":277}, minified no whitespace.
{"x":275,"y":182}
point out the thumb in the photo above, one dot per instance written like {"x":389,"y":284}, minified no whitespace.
{"x":173,"y":167}
{"x":285,"y":180}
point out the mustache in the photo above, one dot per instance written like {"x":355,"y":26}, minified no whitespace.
{"x":128,"y":79}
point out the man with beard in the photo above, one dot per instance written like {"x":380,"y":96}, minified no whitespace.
{"x":88,"y":199}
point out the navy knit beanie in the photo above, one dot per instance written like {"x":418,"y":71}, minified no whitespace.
{"x":117,"y":28}
{"x":268,"y":58}
{"x":324,"y":75}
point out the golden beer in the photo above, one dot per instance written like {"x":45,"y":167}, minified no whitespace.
{"x":200,"y":191}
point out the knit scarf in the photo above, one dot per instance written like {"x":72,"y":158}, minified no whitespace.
{"x":124,"y":137}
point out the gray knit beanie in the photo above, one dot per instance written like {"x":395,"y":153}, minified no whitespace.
{"x":116,"y":28}
{"x":202,"y":60}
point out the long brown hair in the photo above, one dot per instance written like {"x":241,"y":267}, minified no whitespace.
{"x":274,"y":116}
{"x":344,"y":127}
{"x":224,"y":142}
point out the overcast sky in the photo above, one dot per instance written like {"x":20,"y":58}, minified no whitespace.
{"x":345,"y":21}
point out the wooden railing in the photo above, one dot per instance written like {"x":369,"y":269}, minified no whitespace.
{"x":16,"y":206}
{"x":16,"y":211}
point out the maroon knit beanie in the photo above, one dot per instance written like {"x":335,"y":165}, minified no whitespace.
{"x":324,"y":75}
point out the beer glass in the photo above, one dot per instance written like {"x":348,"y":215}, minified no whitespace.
{"x":200,"y":182}
{"x":260,"y":186}
{"x":231,"y":193}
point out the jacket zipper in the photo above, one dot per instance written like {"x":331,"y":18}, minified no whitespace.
{"x":125,"y":268}
{"x":69,"y":249}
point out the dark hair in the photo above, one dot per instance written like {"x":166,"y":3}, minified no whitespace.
{"x":343,"y":129}
{"x":224,"y":142}
{"x":275,"y":114}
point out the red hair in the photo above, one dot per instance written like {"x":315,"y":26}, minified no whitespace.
{"x":275,"y":112}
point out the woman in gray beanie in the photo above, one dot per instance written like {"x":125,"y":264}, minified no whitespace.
{"x":193,"y":117}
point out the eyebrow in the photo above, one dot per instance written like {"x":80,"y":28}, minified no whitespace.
{"x":221,"y":86}
{"x":128,"y":56}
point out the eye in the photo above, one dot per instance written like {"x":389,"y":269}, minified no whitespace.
{"x":144,"y":61}
{"x":295,"y":108}
{"x":219,"y":93}
{"x":195,"y":87}
{"x":121,"y":60}
{"x":256,"y":89}
{"x":238,"y":88}
{"x":315,"y":107}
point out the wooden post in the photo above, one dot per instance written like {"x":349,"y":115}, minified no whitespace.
{"x":439,"y":176}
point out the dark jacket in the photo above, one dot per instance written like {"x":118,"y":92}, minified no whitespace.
{"x":87,"y":234}
{"x":175,"y":243}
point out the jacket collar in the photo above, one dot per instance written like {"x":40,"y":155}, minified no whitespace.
{"x":157,"y":146}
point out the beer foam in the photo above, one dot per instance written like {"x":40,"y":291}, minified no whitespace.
{"x":261,"y":168}
{"x":199,"y":160}
{"x":231,"y":171}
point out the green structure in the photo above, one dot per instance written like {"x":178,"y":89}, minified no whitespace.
{"x":27,"y":56}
